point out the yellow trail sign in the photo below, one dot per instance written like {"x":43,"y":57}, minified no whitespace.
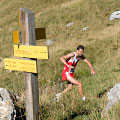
{"x":21,"y":65}
{"x":17,"y":37}
{"x":40,"y":52}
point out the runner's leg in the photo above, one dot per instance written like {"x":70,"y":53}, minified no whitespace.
{"x":69,"y":87}
{"x":76,"y":82}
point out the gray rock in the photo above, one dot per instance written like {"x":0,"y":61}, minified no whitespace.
{"x":115,"y":15}
{"x":114,"y":93}
{"x":85,"y":28}
{"x":7,"y":109}
{"x":113,"y":97}
{"x":69,"y":24}
{"x":49,"y":42}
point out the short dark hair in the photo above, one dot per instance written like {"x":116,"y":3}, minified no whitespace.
{"x":80,"y":47}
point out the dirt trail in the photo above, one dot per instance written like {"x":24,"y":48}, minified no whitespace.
{"x":67,"y":4}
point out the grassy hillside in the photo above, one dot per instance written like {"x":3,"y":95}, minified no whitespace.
{"x":102,"y":48}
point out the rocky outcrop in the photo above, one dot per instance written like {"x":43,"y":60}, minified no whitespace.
{"x":7,"y":109}
{"x":113,"y":97}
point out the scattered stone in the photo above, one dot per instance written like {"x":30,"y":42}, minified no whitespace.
{"x":69,"y":24}
{"x":49,"y":42}
{"x":113,"y":97}
{"x":7,"y":109}
{"x":115,"y":15}
{"x":85,"y":28}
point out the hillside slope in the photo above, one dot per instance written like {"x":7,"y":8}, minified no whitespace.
{"x":102,"y":48}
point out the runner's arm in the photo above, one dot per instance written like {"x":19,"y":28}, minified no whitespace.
{"x":90,"y":66}
{"x":64,"y":58}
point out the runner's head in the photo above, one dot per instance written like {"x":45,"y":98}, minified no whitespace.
{"x":80,"y":50}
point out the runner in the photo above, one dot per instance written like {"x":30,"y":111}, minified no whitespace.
{"x":70,"y":61}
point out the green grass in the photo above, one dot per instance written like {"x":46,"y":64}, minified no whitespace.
{"x":101,"y":41}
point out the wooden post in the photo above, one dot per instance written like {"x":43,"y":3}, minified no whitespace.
{"x":27,"y":22}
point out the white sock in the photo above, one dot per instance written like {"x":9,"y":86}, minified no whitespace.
{"x":83,"y":98}
{"x":58,"y":94}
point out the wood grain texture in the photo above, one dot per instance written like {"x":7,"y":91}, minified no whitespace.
{"x":31,"y":79}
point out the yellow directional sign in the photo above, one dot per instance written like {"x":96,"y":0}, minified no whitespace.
{"x":16,"y":37}
{"x":21,"y":65}
{"x":40,"y":52}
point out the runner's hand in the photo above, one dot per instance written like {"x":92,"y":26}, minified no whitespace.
{"x":93,"y":72}
{"x":70,"y":67}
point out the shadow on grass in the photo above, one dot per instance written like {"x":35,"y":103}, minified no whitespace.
{"x":20,"y":113}
{"x":103,"y":92}
{"x":75,"y":114}
{"x":20,"y":108}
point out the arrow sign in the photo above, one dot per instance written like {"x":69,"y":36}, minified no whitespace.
{"x":20,"y":65}
{"x":17,"y":37}
{"x":40,"y":52}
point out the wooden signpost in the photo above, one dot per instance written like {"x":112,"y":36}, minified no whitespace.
{"x":27,"y":22}
{"x":30,"y":52}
